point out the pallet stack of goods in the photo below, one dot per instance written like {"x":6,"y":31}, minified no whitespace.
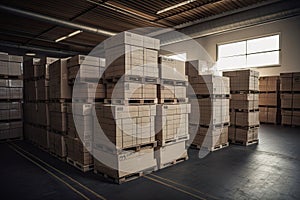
{"x":124,"y":131}
{"x":269,"y":100}
{"x":59,"y":96}
{"x":36,"y":111}
{"x":244,"y":109}
{"x":290,"y":98}
{"x":209,"y":120}
{"x":11,"y":90}
{"x":85,"y":72}
{"x":172,"y":113}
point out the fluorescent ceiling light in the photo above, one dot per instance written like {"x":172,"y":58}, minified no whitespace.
{"x":175,"y":6}
{"x":30,"y":54}
{"x":67,"y":36}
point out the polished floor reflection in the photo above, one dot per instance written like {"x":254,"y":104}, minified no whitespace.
{"x":270,"y":170}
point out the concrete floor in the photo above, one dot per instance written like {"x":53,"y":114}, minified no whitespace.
{"x":270,"y":170}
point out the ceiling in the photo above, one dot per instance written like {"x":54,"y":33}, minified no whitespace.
{"x":20,"y":33}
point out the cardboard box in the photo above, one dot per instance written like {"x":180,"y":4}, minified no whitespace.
{"x":42,"y":89}
{"x":247,"y":134}
{"x":88,"y":91}
{"x":43,"y":114}
{"x":151,"y":43}
{"x":245,"y":119}
{"x":4,"y":83}
{"x":58,"y":84}
{"x":245,"y":97}
{"x":243,"y":80}
{"x":124,"y":90}
{"x":199,"y":67}
{"x":269,"y":84}
{"x":83,"y":128}
{"x":209,"y":111}
{"x":286,"y":100}
{"x":4,"y":93}
{"x":124,"y":126}
{"x":79,"y":108}
{"x":15,"y":69}
{"x":296,"y":82}
{"x":209,"y":84}
{"x":209,"y":137}
{"x":125,"y":163}
{"x":3,"y":67}
{"x":124,"y":38}
{"x":244,"y":105}
{"x":57,"y":145}
{"x":78,"y":152}
{"x":58,"y":121}
{"x":296,"y":101}
{"x":296,"y":118}
{"x":85,"y":72}
{"x":15,"y":83}
{"x":263,"y":114}
{"x":171,"y":69}
{"x":86,"y":60}
{"x":30,"y":90}
{"x":16,"y":93}
{"x":171,"y":153}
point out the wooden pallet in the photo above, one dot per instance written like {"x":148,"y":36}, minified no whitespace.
{"x":173,"y":101}
{"x":5,"y":76}
{"x":124,"y":179}
{"x":71,"y":81}
{"x":87,"y":100}
{"x":225,"y":124}
{"x":80,"y":166}
{"x":3,"y":140}
{"x":212,"y":149}
{"x":244,"y":143}
{"x":245,"y":92}
{"x":172,"y":141}
{"x":124,"y":78}
{"x":211,"y":96}
{"x":272,"y":123}
{"x":130,"y":101}
{"x":151,"y":80}
{"x":132,"y":148}
{"x":174,"y":162}
{"x":59,"y":100}
{"x":244,"y":110}
{"x":173,"y":82}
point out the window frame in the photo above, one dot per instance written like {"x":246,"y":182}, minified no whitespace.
{"x":247,"y":54}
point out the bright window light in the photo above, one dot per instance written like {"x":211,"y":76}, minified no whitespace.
{"x":181,"y":56}
{"x":68,"y":36}
{"x":175,"y":6}
{"x":259,"y":52}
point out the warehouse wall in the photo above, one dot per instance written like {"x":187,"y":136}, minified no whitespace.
{"x":290,"y":43}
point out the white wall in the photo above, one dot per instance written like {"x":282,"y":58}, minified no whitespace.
{"x":290,"y":44}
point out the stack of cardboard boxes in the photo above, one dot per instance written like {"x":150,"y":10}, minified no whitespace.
{"x":172,"y":113}
{"x":11,"y":96}
{"x":85,"y":72}
{"x":269,"y":100}
{"x":124,"y":131}
{"x":36,"y":110}
{"x":59,"y":95}
{"x":290,"y":98}
{"x":209,"y":120}
{"x":244,"y":109}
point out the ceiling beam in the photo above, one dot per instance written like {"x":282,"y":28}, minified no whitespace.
{"x":56,"y":21}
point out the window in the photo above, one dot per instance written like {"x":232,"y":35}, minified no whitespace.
{"x":181,"y":56}
{"x":259,"y":52}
